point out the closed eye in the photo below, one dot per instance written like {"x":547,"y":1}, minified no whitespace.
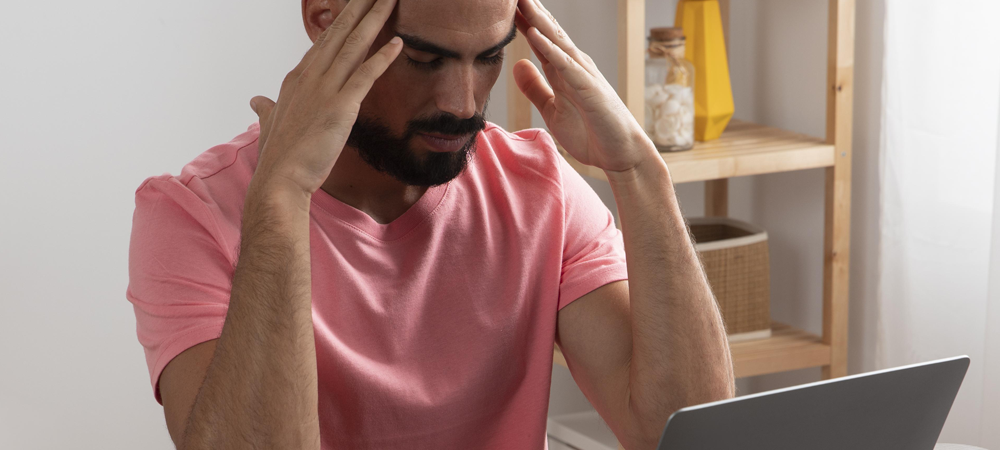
{"x":436,"y":63}
{"x":495,"y":59}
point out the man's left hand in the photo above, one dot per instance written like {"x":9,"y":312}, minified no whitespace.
{"x":581,"y":109}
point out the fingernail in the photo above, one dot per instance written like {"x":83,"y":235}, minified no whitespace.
{"x":253,"y":104}
{"x":395,"y":40}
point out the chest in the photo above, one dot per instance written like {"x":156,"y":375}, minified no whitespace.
{"x":435,"y":329}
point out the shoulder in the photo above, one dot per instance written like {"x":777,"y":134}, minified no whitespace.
{"x":531,"y":152}
{"x":215,"y":167}
{"x":208,"y":192}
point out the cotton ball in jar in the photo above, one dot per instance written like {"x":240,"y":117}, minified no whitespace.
{"x":665,"y":129}
{"x":656,"y":94}
{"x":670,"y":107}
{"x":670,"y":115}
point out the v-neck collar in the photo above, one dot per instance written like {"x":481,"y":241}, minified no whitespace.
{"x":398,"y":228}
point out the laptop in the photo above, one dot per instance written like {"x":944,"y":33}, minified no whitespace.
{"x":895,"y":409}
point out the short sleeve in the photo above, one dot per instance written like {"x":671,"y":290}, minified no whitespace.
{"x":593,"y":248}
{"x":180,"y":272}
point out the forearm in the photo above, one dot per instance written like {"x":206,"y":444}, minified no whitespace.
{"x":260,"y":390}
{"x":680,"y":352}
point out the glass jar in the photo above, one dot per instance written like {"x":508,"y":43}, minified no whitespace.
{"x":669,"y":91}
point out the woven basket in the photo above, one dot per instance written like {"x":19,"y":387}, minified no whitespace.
{"x":735,"y":258}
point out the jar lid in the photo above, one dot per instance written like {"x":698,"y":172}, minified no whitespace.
{"x":666,"y":34}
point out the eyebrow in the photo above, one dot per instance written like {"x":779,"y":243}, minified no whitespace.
{"x":422,"y":45}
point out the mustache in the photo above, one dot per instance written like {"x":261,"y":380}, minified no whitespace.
{"x":447,"y":124}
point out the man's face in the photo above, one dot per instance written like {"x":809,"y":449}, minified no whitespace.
{"x":439,"y":85}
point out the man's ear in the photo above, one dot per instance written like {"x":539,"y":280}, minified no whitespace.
{"x":319,"y":14}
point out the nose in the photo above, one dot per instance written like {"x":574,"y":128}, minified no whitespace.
{"x":456,"y":93}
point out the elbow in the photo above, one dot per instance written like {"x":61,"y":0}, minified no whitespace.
{"x":191,"y":441}
{"x":720,"y":385}
{"x":726,"y":387}
{"x":646,"y":426}
{"x":640,"y":436}
{"x":722,"y":388}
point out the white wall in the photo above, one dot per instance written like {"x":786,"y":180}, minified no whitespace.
{"x":98,"y":95}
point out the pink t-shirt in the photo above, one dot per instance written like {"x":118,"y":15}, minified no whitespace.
{"x":434,"y":331}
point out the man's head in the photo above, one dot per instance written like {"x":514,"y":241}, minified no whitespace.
{"x":439,"y":84}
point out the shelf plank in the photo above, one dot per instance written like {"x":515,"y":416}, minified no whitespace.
{"x":788,"y":348}
{"x":744,"y":149}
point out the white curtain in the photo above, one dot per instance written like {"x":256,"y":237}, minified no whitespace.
{"x":939,"y":279}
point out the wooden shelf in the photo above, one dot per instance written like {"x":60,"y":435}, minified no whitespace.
{"x":788,"y":348}
{"x":744,"y":149}
{"x":750,"y":149}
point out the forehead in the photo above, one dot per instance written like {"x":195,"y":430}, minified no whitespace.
{"x":454,"y":21}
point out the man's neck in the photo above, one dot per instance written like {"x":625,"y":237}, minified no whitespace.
{"x":380,"y":196}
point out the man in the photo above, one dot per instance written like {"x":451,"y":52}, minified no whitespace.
{"x":376,"y":266}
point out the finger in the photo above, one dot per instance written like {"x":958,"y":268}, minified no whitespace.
{"x":568,"y":68}
{"x":532,"y":84}
{"x":263,"y":107}
{"x":523,"y":26}
{"x":290,"y":80}
{"x":308,"y":58}
{"x":342,"y":27}
{"x":539,"y":17}
{"x":359,"y":42}
{"x":550,"y":72}
{"x":358,"y":85}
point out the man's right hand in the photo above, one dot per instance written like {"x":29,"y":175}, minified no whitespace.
{"x":302,"y":135}
{"x":210,"y":397}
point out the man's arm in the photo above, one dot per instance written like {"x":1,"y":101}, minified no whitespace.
{"x":259,"y":388}
{"x":680,"y":351}
{"x":643,"y":349}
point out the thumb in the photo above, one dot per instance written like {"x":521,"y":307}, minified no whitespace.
{"x":262,"y":106}
{"x":532,"y":84}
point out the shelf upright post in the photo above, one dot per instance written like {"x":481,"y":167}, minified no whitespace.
{"x":837,"y":229}
{"x":632,"y":56}
{"x":717,"y":191}
{"x":717,"y":198}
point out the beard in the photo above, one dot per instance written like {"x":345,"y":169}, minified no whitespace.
{"x":392,"y":155}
